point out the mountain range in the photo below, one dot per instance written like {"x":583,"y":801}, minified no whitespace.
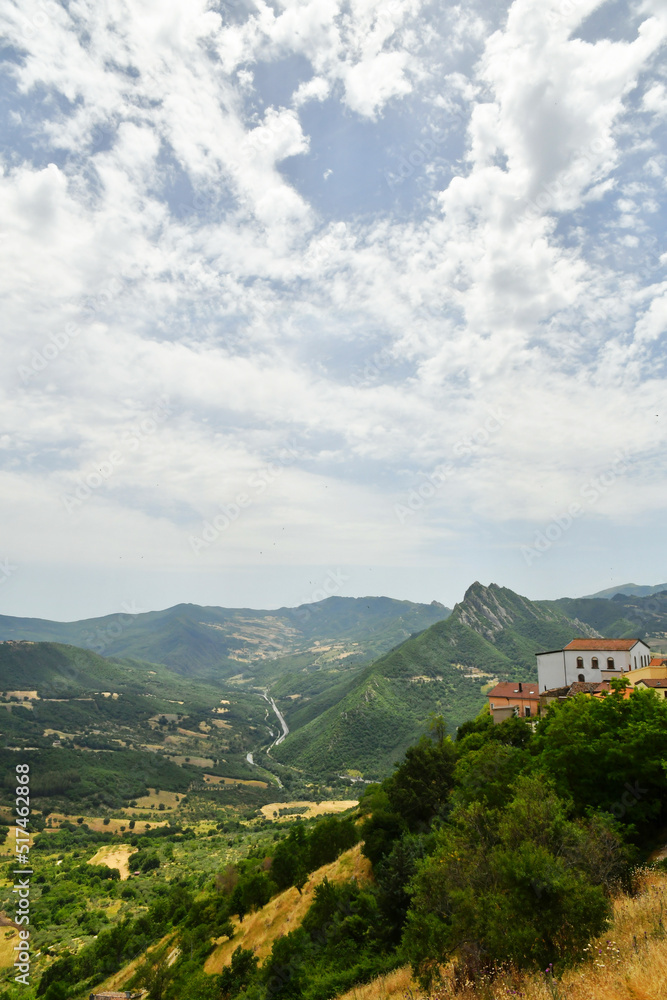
{"x":355,"y":680}
{"x":630,"y":590}
{"x":220,"y":642}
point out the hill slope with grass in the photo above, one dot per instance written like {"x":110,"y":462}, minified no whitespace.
{"x":285,"y":911}
{"x":628,"y":962}
{"x":99,"y":732}
{"x":622,"y":616}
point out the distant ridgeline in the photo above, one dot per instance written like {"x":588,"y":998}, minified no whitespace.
{"x":355,"y":679}
{"x":220,"y":642}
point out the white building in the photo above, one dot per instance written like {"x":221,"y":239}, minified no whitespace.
{"x":590,"y":660}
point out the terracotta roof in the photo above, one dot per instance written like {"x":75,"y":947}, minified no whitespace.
{"x":652,"y":682}
{"x":658,"y":661}
{"x":601,"y":644}
{"x":510,"y":689}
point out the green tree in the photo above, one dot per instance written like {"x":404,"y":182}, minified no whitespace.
{"x":155,"y":974}
{"x":290,"y":859}
{"x":505,"y":885}
{"x":382,"y":827}
{"x":420,"y":787}
{"x":608,"y":754}
{"x":329,"y":838}
{"x":237,"y":976}
{"x":487,"y":775}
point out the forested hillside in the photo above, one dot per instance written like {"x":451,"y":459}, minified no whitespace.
{"x":504,"y":850}
{"x":220,"y":642}
{"x":492,"y":634}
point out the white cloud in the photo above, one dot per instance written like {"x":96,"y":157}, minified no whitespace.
{"x":316,"y":89}
{"x":168,"y":231}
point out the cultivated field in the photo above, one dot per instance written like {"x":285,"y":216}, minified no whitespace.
{"x":310,"y":808}
{"x":114,"y":857}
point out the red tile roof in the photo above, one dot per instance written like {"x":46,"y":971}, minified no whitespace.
{"x":658,"y":661}
{"x":601,"y":644}
{"x":652,"y":682}
{"x":510,"y":689}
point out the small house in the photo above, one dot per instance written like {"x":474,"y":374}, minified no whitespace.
{"x":514,"y":698}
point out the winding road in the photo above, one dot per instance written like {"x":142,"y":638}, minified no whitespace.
{"x":281,"y":720}
{"x":278,"y":740}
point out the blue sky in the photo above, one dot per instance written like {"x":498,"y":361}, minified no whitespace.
{"x":320,"y":297}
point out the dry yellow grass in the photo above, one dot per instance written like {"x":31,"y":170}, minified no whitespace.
{"x":312,"y":808}
{"x":398,"y":983}
{"x":215,"y":779}
{"x":628,"y":963}
{"x":97,"y":822}
{"x":119,"y":980}
{"x":204,"y":762}
{"x":285,"y":912}
{"x":8,"y":938}
{"x":114,"y":857}
{"x":169,"y":800}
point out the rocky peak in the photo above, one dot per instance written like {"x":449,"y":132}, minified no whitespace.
{"x":484,"y":609}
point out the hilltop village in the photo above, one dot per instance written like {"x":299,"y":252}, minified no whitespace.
{"x":583,"y":666}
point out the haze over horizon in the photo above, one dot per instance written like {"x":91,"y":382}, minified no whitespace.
{"x":367,"y":293}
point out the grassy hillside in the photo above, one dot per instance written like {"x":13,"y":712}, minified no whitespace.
{"x":492,"y":634}
{"x":221,"y":642}
{"x":260,"y":929}
{"x":629,"y":962}
{"x":643,"y":617}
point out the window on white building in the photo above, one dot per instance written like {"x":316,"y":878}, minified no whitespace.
{"x":610,"y":663}
{"x":594,"y":663}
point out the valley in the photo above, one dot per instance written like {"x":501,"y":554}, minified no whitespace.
{"x":147,"y":775}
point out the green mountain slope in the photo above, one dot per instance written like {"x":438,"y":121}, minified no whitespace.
{"x":221,"y":642}
{"x":643,"y":617}
{"x":629,"y":590}
{"x":67,"y":704}
{"x":492,"y":634}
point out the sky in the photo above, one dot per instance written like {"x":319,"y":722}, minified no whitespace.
{"x":322,"y":297}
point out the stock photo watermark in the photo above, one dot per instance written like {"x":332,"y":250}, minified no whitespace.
{"x":591,"y":492}
{"x":418,"y":497}
{"x":40,"y":359}
{"x":258,"y":483}
{"x":549,"y":193}
{"x":425,"y":150}
{"x":133,"y":438}
{"x":7,"y":570}
{"x":103,"y":636}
